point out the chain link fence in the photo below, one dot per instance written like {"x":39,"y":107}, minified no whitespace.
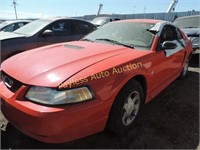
{"x":160,"y":16}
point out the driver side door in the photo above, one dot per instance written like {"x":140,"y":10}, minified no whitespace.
{"x":168,"y":62}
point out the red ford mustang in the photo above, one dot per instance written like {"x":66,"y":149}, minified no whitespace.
{"x":71,"y":90}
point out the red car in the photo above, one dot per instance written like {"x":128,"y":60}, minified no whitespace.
{"x":71,"y":90}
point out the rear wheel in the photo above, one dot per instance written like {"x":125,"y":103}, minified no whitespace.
{"x":125,"y":108}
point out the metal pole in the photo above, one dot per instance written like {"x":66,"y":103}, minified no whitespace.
{"x":100,"y":7}
{"x":144,"y":11}
{"x":14,"y":4}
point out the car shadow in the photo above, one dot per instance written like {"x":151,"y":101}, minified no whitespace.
{"x":171,"y":120}
{"x":194,"y":62}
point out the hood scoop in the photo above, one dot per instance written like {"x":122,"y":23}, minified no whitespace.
{"x":73,"y":47}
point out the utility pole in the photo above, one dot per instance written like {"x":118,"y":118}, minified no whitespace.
{"x":133,"y":9}
{"x":14,"y":5}
{"x":100,"y":7}
{"x":144,"y":11}
{"x":172,"y":6}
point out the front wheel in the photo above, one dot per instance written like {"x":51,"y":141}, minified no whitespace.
{"x":125,"y":108}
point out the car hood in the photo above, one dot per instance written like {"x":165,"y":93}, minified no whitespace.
{"x":191,"y":31}
{"x":9,"y":35}
{"x":49,"y":66}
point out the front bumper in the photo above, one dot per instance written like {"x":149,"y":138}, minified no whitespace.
{"x":53,"y":124}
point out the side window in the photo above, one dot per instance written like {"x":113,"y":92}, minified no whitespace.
{"x":169,"y":33}
{"x":60,"y":28}
{"x":9,"y":28}
{"x":21,"y":24}
{"x":17,"y":26}
{"x":81,"y":28}
{"x":26,"y":23}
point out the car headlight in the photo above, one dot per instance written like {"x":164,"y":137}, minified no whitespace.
{"x":51,"y":96}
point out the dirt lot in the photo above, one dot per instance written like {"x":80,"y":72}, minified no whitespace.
{"x":170,"y":121}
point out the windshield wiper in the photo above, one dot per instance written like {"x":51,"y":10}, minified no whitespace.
{"x":116,"y":42}
{"x":87,"y":40}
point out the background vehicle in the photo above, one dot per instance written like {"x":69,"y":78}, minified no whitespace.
{"x":191,"y":26}
{"x":100,"y":21}
{"x":100,"y":81}
{"x":2,"y":21}
{"x":10,"y":26}
{"x":43,"y":32}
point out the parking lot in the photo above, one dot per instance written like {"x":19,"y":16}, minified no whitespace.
{"x":171,"y":120}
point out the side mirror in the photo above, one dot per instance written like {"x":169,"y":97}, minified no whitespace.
{"x":47,"y":33}
{"x":167,"y":45}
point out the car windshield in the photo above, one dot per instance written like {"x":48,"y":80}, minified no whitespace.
{"x":33,"y":27}
{"x":134,"y":34}
{"x":189,"y":22}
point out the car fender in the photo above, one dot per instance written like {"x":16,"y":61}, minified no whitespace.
{"x":126,"y":78}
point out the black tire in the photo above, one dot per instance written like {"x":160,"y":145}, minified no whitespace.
{"x":122,"y":108}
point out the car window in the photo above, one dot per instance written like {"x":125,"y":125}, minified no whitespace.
{"x":16,"y":26}
{"x":80,"y":27}
{"x":168,"y":34}
{"x":9,"y":28}
{"x":21,"y":24}
{"x":60,"y":28}
{"x":188,"y":22}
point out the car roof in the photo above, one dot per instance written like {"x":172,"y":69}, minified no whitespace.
{"x":103,"y":17}
{"x":52,"y":19}
{"x":16,"y":21}
{"x":193,"y":16}
{"x":141,"y":20}
{"x":61,"y":18}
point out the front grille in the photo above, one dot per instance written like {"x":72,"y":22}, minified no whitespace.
{"x":11,"y":83}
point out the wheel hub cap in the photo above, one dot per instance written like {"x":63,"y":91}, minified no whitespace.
{"x":131,"y":108}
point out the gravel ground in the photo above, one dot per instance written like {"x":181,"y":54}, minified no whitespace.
{"x":170,"y":121}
